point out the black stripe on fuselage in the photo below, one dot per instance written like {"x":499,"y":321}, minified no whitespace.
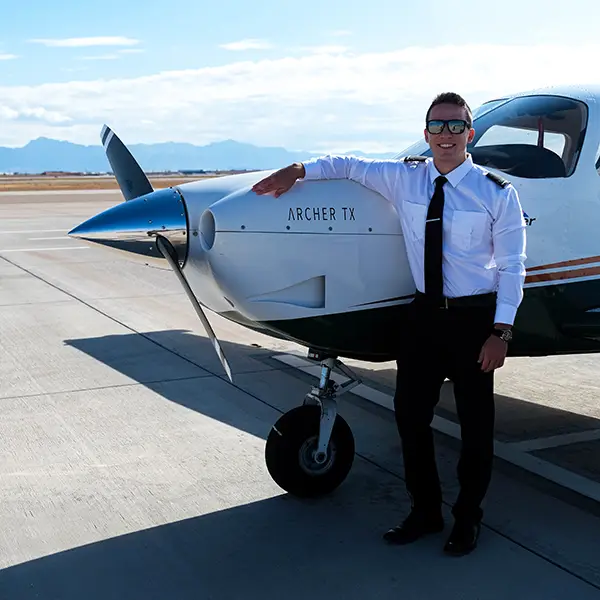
{"x":396,"y":299}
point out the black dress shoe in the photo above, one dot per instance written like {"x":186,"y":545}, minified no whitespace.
{"x":416,"y":525}
{"x":463,"y":538}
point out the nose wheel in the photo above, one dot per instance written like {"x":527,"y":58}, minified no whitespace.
{"x":310,"y":449}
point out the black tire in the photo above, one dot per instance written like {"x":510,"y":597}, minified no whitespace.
{"x":289,"y":447}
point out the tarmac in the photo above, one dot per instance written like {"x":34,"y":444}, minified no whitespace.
{"x":131,"y":467}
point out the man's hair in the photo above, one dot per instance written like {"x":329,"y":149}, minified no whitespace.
{"x":451,"y":98}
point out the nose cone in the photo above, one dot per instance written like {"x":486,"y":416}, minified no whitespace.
{"x":132,"y":226}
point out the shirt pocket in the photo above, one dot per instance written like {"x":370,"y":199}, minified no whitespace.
{"x":468,"y":228}
{"x":415,"y":215}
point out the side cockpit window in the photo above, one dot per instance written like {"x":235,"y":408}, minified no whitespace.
{"x":531,"y":136}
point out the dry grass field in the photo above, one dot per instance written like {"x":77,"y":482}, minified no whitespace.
{"x":39,"y":183}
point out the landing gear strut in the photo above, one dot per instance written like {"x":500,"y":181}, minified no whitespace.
{"x":310,"y":449}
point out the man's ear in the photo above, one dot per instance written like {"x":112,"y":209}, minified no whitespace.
{"x":471,"y":135}
{"x":426,"y":133}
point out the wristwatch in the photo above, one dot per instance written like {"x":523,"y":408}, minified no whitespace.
{"x":504,"y":334}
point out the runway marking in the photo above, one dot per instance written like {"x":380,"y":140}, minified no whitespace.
{"x":62,"y":237}
{"x":44,"y":249}
{"x":32,"y":231}
{"x":510,"y":452}
{"x":557,"y":440}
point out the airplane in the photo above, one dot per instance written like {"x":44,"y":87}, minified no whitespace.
{"x":325,"y":264}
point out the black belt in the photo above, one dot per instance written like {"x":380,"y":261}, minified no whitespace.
{"x":474,"y":301}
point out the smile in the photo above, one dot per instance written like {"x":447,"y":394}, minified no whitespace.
{"x":446,"y":146}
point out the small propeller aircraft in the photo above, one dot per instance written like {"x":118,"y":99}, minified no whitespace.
{"x":325,"y":264}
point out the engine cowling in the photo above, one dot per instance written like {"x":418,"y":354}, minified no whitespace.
{"x":323,"y":247}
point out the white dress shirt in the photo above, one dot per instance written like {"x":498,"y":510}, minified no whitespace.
{"x":484,"y":226}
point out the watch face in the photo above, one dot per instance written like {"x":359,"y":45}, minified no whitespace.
{"x":505,"y":334}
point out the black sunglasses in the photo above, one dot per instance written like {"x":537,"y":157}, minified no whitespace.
{"x":436,"y":126}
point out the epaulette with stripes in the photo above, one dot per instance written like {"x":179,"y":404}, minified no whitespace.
{"x":497,"y":179}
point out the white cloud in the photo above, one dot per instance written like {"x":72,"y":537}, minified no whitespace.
{"x":248,"y":44}
{"x":8,"y":56}
{"x":85,"y":42}
{"x":7,"y":113}
{"x":33,"y":113}
{"x":318,"y":101}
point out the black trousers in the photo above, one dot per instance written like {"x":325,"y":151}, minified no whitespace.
{"x":440,"y":343}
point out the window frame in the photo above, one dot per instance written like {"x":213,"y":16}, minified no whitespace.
{"x":578,"y":142}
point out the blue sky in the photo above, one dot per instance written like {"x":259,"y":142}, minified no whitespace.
{"x":314,"y":75}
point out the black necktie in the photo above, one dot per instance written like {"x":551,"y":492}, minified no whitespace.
{"x":433,"y":242}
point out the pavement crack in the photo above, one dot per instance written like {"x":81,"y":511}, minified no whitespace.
{"x":106,"y":387}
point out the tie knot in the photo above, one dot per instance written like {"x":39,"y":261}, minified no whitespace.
{"x":440,"y":181}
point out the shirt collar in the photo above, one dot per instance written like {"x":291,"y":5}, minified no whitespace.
{"x":455,"y":176}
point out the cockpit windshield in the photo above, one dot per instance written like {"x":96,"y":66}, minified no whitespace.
{"x":528,"y":136}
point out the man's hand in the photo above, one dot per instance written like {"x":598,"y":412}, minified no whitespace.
{"x":492,"y":354}
{"x":280,"y":181}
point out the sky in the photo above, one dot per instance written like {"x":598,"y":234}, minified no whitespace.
{"x":318,"y":76}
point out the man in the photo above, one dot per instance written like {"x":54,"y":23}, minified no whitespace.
{"x":465,"y":237}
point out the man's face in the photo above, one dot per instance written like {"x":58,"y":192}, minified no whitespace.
{"x":449,"y":146}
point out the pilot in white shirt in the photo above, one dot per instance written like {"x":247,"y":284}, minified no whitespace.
{"x":465,"y":238}
{"x":484,"y":239}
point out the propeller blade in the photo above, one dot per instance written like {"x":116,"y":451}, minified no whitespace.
{"x":168,"y":251}
{"x":130,"y":177}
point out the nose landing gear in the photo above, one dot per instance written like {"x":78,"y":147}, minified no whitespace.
{"x":310,"y":449}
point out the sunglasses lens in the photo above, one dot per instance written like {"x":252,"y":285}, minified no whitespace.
{"x":435,"y":127}
{"x":456,"y":126}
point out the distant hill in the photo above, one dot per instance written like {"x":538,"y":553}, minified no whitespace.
{"x":44,"y":154}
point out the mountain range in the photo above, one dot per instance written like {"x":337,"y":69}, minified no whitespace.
{"x":45,"y":154}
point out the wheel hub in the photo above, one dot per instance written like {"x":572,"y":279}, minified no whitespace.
{"x":313,"y":462}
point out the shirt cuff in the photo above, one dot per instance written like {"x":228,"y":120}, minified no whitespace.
{"x":312,"y":169}
{"x":505,"y":313}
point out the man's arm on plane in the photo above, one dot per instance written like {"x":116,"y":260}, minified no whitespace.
{"x":381,"y":176}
